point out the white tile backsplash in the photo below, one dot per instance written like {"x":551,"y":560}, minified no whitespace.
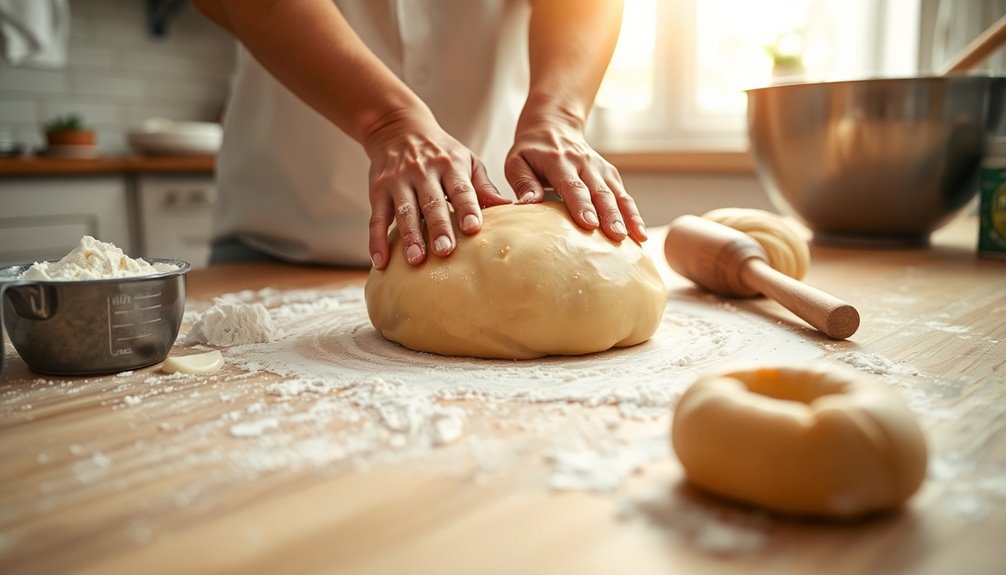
{"x":21,"y":81}
{"x":117,"y":74}
{"x":14,"y":110}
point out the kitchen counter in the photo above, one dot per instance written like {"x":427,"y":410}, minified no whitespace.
{"x":134,"y":473}
{"x":42,"y":166}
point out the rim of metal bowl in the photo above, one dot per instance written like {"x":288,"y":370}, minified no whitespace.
{"x":13,"y":273}
{"x":892,"y":80}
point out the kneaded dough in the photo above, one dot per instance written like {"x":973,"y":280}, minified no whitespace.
{"x":821,"y":439}
{"x":530,"y":284}
{"x":778,"y":235}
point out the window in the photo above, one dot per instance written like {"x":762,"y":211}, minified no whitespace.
{"x":678,"y":75}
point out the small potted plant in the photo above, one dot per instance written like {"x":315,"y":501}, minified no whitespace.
{"x":68,"y":130}
{"x":787,"y":57}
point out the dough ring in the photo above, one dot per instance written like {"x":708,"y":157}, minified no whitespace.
{"x":821,"y":440}
{"x":778,"y":235}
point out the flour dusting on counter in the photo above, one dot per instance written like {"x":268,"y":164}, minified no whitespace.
{"x":321,"y":391}
{"x":333,"y":392}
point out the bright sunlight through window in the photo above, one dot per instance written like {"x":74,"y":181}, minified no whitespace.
{"x":679,"y":71}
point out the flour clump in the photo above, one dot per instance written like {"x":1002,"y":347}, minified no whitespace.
{"x":229,"y":323}
{"x":530,"y":284}
{"x":94,"y":260}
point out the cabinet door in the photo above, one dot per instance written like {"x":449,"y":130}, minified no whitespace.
{"x":43,"y":218}
{"x":176,"y":216}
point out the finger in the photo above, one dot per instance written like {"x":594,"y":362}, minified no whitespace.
{"x":523,"y":179}
{"x":576,"y":196}
{"x":463,"y":197}
{"x":382,"y":212}
{"x":603,"y":200}
{"x":438,"y":218}
{"x":630,"y":212}
{"x":487,"y":192}
{"x":407,"y":218}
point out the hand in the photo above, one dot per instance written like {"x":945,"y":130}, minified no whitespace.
{"x":416,"y":169}
{"x":553,"y":153}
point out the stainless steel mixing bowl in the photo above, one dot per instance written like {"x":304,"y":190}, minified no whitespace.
{"x":92,"y":326}
{"x":873,"y":162}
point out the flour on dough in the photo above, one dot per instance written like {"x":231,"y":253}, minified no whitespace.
{"x":530,"y":284}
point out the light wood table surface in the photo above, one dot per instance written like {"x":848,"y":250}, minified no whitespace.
{"x":89,"y":484}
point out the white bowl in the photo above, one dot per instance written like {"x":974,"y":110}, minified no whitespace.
{"x":166,"y":137}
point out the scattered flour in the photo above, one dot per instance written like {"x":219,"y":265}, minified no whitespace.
{"x":93,"y":260}
{"x":321,"y":389}
{"x":604,"y":467}
{"x":93,"y":468}
{"x":254,"y":428}
{"x":876,"y":364}
{"x":335,"y":392}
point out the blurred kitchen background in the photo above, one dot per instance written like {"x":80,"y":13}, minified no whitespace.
{"x":119,"y":71}
{"x":670,"y":115}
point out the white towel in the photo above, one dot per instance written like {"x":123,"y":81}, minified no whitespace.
{"x":35,"y":32}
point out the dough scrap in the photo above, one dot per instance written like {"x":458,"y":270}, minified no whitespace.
{"x":530,"y":284}
{"x":778,"y":235}
{"x":195,"y":363}
{"x":821,"y":439}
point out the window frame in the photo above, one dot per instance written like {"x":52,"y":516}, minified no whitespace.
{"x":887,"y":36}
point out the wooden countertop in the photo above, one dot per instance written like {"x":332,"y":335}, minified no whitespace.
{"x":94,"y":482}
{"x":42,"y":166}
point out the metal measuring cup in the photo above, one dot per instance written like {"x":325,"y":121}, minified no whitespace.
{"x":87,"y":327}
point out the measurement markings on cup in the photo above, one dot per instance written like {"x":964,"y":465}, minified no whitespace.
{"x":129,"y":318}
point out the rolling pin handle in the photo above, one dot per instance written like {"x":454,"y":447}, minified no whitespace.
{"x":832,"y":316}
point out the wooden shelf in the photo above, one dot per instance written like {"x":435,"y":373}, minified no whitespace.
{"x":40,"y":166}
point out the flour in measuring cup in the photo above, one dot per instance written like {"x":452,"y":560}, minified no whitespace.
{"x":94,"y":260}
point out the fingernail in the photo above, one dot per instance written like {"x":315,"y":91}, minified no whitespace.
{"x":414,"y":254}
{"x":590,"y":217}
{"x":442,"y":244}
{"x":642,"y":227}
{"x":470,"y":222}
{"x":618,"y":227}
{"x":527,"y":197}
{"x":377,"y":259}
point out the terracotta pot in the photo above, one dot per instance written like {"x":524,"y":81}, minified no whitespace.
{"x":70,"y":138}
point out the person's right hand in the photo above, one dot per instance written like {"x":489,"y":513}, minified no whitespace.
{"x":416,"y":168}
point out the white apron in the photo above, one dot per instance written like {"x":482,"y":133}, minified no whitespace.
{"x":293,"y":185}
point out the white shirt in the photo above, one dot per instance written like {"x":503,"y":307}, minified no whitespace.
{"x":295,"y":186}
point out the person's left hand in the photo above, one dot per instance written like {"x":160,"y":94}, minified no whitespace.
{"x":554,"y":154}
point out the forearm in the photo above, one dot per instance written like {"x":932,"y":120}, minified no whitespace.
{"x":571,"y":42}
{"x":309,"y":47}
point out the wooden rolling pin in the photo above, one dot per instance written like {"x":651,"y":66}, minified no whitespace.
{"x":729,"y":262}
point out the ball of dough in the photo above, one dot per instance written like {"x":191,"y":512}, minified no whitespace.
{"x":530,"y":284}
{"x":778,"y":235}
{"x":820,"y":440}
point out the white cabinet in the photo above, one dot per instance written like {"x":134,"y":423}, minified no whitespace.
{"x":44,"y":218}
{"x":175,"y":216}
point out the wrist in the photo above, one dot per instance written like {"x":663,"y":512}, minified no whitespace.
{"x":379,"y":128}
{"x":544,"y":109}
